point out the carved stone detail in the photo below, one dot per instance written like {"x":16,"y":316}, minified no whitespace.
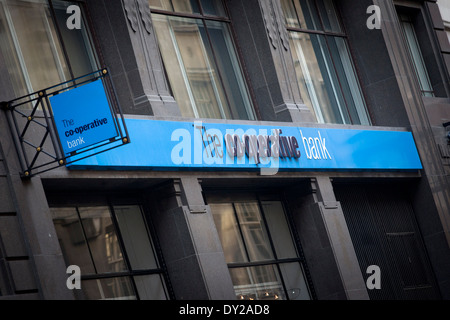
{"x":130,"y":9}
{"x":276,"y":30}
{"x":144,"y":10}
{"x":138,"y":10}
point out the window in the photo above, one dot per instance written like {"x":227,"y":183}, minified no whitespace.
{"x":39,"y":50}
{"x":113,"y":249}
{"x":200,"y":59}
{"x":323,"y":65}
{"x":258,"y":247}
{"x":415,"y":53}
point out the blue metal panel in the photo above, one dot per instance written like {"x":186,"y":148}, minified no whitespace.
{"x":173,"y":145}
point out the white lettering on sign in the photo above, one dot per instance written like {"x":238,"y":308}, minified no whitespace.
{"x":211,"y":146}
{"x":315,"y":147}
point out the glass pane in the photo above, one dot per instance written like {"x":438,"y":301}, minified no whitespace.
{"x":102,"y":239}
{"x":228,"y":231}
{"x":349,"y":84}
{"x":71,"y":239}
{"x":118,"y":288}
{"x":317,"y":78}
{"x":174,"y":64}
{"x":161,"y":4}
{"x":135,"y":237}
{"x":279,"y":229}
{"x":19,"y":44}
{"x":213,"y":8}
{"x":8,"y":49}
{"x":150,"y":287}
{"x":206,"y":83}
{"x":254,"y":232}
{"x":76,"y":42}
{"x":257,"y":283}
{"x":230,"y":72}
{"x":184,"y":6}
{"x":290,"y":14}
{"x":307,"y":15}
{"x":294,"y":281}
{"x":416,"y":56}
{"x":187,"y":6}
{"x":48,"y":67}
{"x":328,"y":14}
{"x":191,"y":74}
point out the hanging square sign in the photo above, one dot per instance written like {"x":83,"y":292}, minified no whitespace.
{"x":83,"y":117}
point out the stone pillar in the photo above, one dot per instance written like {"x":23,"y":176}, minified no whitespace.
{"x":190,"y":244}
{"x":340,"y":241}
{"x":128,"y":47}
{"x":264,"y":42}
{"x":326,"y":242}
{"x":31,"y":262}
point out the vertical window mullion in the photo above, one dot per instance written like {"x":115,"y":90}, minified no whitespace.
{"x":199,"y":3}
{"x":86,"y":240}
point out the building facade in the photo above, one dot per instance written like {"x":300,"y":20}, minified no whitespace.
{"x":272,"y":149}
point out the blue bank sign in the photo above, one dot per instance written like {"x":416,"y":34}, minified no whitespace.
{"x":176,"y":145}
{"x":83,"y":117}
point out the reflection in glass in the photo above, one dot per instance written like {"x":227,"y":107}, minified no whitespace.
{"x":254,"y":231}
{"x":102,"y":238}
{"x":202,"y":68}
{"x":294,"y":280}
{"x":242,"y":229}
{"x":20,"y":43}
{"x":71,"y":238}
{"x":330,"y":20}
{"x":89,"y":238}
{"x":213,"y":8}
{"x":257,"y":283}
{"x":119,"y":288}
{"x":135,"y":237}
{"x":279,"y":229}
{"x":229,"y":234}
{"x":150,"y":287}
{"x":416,"y":55}
{"x":209,"y":7}
{"x":332,"y":99}
{"x":322,"y":62}
{"x":184,"y":6}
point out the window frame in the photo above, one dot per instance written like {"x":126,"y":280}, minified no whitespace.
{"x":110,"y":201}
{"x":406,"y":16}
{"x":428,"y":44}
{"x":88,"y":36}
{"x":254,"y":112}
{"x":235,"y":196}
{"x":334,"y":34}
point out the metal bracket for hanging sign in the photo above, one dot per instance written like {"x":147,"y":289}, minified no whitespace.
{"x":66,"y":123}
